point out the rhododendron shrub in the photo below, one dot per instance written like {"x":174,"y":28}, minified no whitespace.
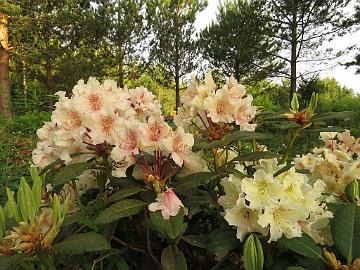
{"x":214,"y":187}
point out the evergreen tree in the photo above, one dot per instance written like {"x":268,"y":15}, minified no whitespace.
{"x":238,"y":42}
{"x":173,"y":45}
{"x":302,"y":26}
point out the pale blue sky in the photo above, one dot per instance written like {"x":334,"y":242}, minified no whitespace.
{"x":345,"y":76}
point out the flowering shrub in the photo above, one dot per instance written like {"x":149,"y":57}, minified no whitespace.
{"x":207,"y":190}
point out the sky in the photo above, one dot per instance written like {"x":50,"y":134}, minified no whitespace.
{"x":346,"y":76}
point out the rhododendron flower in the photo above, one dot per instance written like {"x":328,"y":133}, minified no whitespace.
{"x":282,"y":220}
{"x":179,"y":144}
{"x":168,"y":203}
{"x":245,"y":219}
{"x":104,"y":126}
{"x":266,"y":203}
{"x":219,"y":107}
{"x":234,"y":89}
{"x":262,"y":190}
{"x":244,"y":112}
{"x":154,"y":131}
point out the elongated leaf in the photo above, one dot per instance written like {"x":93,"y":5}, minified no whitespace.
{"x":122,"y":194}
{"x":345,"y":229}
{"x":36,"y":187}
{"x":124,"y":208}
{"x":10,"y":262}
{"x":82,"y":243}
{"x":57,"y":162}
{"x":253,"y":156}
{"x":230,"y":138}
{"x":173,"y":259}
{"x":222,"y":241}
{"x":171,"y":227}
{"x":69,"y":172}
{"x":334,"y":116}
{"x":13,"y":207}
{"x":304,"y":246}
{"x":2,"y":222}
{"x":195,"y":240}
{"x":74,"y":218}
{"x":194,"y":180}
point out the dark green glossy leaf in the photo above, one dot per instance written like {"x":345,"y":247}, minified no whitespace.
{"x":173,"y":259}
{"x":253,"y":156}
{"x":172,"y":227}
{"x":65,"y":174}
{"x":194,"y":180}
{"x":195,"y":240}
{"x":345,"y":229}
{"x":10,"y":262}
{"x":122,"y":194}
{"x":120,"y":209}
{"x":304,"y":246}
{"x":82,"y":243}
{"x":222,"y":241}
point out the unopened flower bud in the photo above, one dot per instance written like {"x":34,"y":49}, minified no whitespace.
{"x":253,"y":254}
{"x":352,"y":191}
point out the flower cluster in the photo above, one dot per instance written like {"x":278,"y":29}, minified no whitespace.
{"x":214,"y":108}
{"x":337,"y":163}
{"x":267,"y":204}
{"x":124,"y":124}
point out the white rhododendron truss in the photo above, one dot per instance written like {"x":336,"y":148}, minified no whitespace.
{"x":337,"y":163}
{"x":121,"y":127}
{"x":209,"y":108}
{"x":286,"y":204}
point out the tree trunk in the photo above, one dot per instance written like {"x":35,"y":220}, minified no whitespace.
{"x":293,"y":60}
{"x":49,"y":82}
{"x":5,"y":94}
{"x":177,"y":65}
{"x":24,"y":82}
{"x":177,"y":87}
{"x":121,"y":67}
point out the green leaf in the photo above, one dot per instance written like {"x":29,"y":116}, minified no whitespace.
{"x":122,"y":194}
{"x":304,"y":246}
{"x":172,"y":227}
{"x":253,"y":156}
{"x":194,"y":180}
{"x":345,"y":229}
{"x":13,"y":207}
{"x":295,"y":268}
{"x":10,"y":262}
{"x":74,"y":218}
{"x":334,"y":116}
{"x":294,"y":102}
{"x":222,"y":241}
{"x":82,"y":243}
{"x":195,"y":240}
{"x":69,"y":172}
{"x":121,"y":209}
{"x":173,"y":259}
{"x":230,"y":138}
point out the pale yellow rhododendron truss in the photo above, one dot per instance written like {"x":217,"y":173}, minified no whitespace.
{"x":287,"y":204}
{"x":337,"y":163}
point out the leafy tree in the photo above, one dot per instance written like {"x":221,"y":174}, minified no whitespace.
{"x":239,"y":42}
{"x":302,"y":26}
{"x":173,"y":46}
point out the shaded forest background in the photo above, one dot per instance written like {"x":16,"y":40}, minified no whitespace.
{"x":48,"y":45}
